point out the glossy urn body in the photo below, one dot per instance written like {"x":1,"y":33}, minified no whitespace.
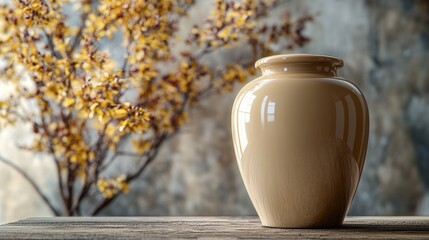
{"x":300,"y":135}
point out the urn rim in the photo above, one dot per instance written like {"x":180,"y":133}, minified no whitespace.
{"x":299,"y":59}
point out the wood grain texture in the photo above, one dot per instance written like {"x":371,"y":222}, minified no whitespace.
{"x":207,"y":228}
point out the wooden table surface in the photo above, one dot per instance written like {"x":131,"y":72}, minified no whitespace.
{"x":207,"y":228}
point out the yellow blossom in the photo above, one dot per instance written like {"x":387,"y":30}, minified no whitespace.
{"x":86,"y":106}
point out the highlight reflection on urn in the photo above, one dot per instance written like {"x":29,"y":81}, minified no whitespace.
{"x":300,"y":135}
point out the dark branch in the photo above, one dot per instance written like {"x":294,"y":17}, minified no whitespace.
{"x":78,"y":35}
{"x":32,"y":183}
{"x":152,"y":155}
{"x":52,"y":46}
{"x":56,"y":162}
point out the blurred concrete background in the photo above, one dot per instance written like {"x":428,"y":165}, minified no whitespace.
{"x":385,"y":46}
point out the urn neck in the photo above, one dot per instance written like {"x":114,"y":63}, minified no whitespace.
{"x":299,"y":63}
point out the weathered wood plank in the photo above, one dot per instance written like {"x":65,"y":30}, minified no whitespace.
{"x":207,"y":227}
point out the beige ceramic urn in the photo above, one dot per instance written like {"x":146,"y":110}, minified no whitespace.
{"x":300,"y":135}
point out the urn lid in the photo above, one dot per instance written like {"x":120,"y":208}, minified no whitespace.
{"x":299,"y":59}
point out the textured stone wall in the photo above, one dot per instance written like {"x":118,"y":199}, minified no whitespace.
{"x":385,"y":45}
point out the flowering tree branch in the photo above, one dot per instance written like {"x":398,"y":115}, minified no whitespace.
{"x":89,"y":107}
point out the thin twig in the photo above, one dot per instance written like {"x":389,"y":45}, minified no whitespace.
{"x":78,"y":36}
{"x":56,"y":162}
{"x":52,"y":45}
{"x":32,"y":183}
{"x":131,"y":177}
{"x":151,"y":157}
